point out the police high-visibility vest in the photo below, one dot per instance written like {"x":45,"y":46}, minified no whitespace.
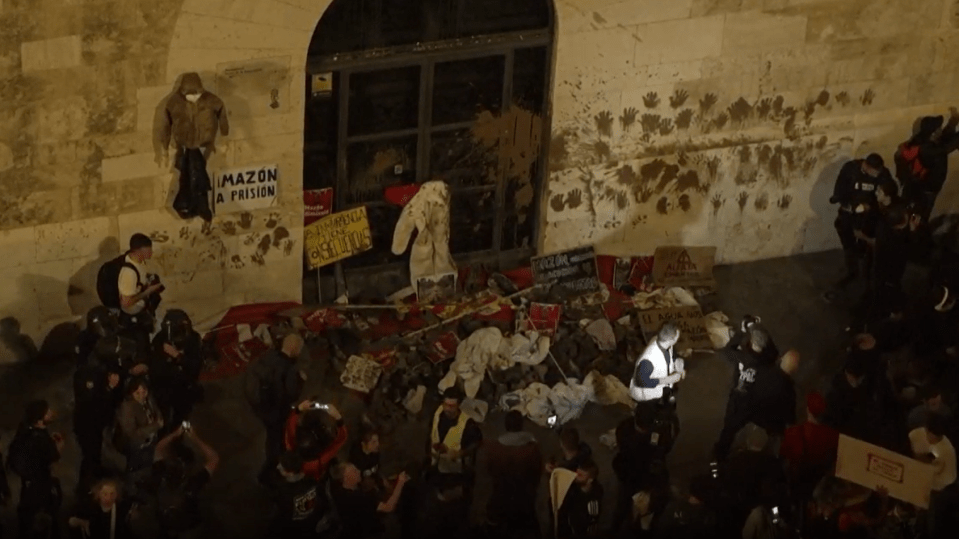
{"x":453,"y":442}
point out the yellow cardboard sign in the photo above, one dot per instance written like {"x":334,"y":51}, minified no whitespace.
{"x":337,"y":236}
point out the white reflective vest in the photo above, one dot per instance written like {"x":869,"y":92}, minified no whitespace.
{"x":654,"y":354}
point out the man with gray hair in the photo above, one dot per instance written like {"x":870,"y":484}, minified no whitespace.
{"x":657,"y":369}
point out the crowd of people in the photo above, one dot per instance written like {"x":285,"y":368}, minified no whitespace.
{"x":137,"y":382}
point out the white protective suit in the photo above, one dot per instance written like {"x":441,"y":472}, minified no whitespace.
{"x":654,"y":354}
{"x":428,"y":212}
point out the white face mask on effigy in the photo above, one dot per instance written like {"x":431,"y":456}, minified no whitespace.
{"x":192,"y":98}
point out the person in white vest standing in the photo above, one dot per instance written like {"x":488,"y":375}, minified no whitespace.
{"x":657,"y":369}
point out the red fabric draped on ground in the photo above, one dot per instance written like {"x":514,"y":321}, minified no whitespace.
{"x":233,"y":356}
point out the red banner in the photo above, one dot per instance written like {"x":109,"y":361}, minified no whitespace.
{"x":317,"y":203}
{"x":444,"y":347}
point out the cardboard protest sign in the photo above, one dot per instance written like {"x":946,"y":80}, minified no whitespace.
{"x":361,"y":374}
{"x":574,"y":269}
{"x":871,"y":466}
{"x":317,"y":203}
{"x":560,"y":482}
{"x":336,"y":237}
{"x":683,"y":266}
{"x":689,"y":320}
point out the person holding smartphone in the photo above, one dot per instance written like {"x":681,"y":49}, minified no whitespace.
{"x":307,"y":431}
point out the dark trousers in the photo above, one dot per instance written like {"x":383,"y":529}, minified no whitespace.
{"x":273,"y":450}
{"x":737,"y":416}
{"x":846,"y":225}
{"x":37,"y":511}
{"x":90,"y":440}
{"x":192,"y":198}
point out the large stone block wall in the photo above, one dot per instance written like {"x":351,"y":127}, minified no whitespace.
{"x":81,"y":85}
{"x":699,"y":121}
{"x":724,"y":122}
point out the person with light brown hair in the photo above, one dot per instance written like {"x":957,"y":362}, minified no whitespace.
{"x":106,"y":514}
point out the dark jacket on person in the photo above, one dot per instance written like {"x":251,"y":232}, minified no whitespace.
{"x":934,"y":158}
{"x":578,"y":516}
{"x":773,"y":397}
{"x":95,"y":403}
{"x":515,"y":464}
{"x":299,"y":504}
{"x":746,"y":361}
{"x":283,"y":387}
{"x":854,"y":187}
{"x":192,"y":125}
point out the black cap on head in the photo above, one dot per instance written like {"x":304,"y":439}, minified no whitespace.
{"x":874,"y":160}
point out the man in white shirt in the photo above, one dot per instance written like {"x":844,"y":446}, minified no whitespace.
{"x":133,"y":281}
{"x":657,"y":369}
{"x":930,"y":444}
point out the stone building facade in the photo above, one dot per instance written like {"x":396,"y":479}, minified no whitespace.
{"x":719,"y":122}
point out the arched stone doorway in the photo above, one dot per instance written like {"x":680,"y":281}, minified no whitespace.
{"x":437,"y":89}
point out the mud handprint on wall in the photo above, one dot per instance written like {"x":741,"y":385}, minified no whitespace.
{"x":717,"y":202}
{"x":684,"y":119}
{"x":720,"y":120}
{"x":823,"y":98}
{"x":574,"y":198}
{"x":867,"y":97}
{"x":684,"y":202}
{"x":651,"y":100}
{"x":761,"y":202}
{"x":707,"y":102}
{"x":742,"y":199}
{"x":604,"y":123}
{"x":678,"y":98}
{"x":662,"y":206}
{"x":650,"y":122}
{"x":764,"y":108}
{"x":628,"y":118}
{"x":665,"y":126}
{"x":556,"y":202}
{"x":843,"y":98}
{"x":740,"y":111}
{"x":785,"y":201}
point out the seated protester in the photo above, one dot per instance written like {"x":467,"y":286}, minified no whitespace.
{"x":96,"y":394}
{"x":690,"y":516}
{"x":578,"y":514}
{"x":931,"y":404}
{"x":176,"y":480}
{"x":809,"y":448}
{"x":307,"y":433}
{"x":32,"y":453}
{"x":358,"y":510}
{"x":138,"y":424}
{"x":175,"y":369}
{"x":365,"y":455}
{"x":930,"y":444}
{"x":575,"y":452}
{"x":299,"y":501}
{"x":101,"y":323}
{"x":105,"y":515}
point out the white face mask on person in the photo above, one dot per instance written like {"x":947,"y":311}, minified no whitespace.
{"x":192,"y":98}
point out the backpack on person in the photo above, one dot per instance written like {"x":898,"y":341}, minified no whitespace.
{"x":909,"y":168}
{"x":108,"y":276}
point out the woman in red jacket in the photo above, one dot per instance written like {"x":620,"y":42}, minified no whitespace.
{"x":307,"y":433}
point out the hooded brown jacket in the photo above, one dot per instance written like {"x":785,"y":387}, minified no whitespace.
{"x":192,"y":125}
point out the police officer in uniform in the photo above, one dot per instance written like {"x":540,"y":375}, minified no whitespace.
{"x":96,"y":393}
{"x":176,"y":366}
{"x":855,"y":192}
{"x":101,"y":323}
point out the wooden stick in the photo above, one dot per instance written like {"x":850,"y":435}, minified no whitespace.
{"x":467,"y":313}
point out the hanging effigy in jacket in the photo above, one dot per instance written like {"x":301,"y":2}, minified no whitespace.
{"x":191,"y":119}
